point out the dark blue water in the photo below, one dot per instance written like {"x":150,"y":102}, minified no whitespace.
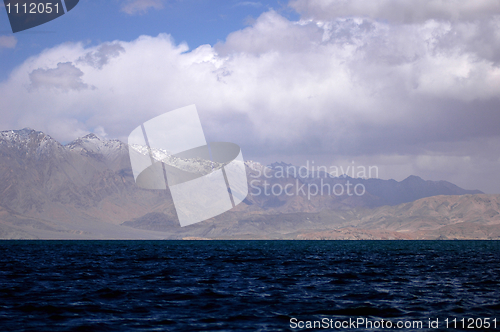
{"x":244,"y":285}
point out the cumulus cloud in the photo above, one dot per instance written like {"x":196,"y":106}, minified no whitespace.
{"x":400,"y":11}
{"x":133,"y":7}
{"x":8,"y":42}
{"x":64,"y":77}
{"x":417,"y":98}
{"x":270,"y":33}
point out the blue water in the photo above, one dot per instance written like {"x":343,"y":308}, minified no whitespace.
{"x":243,"y":285}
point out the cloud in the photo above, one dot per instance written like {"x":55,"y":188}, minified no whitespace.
{"x":271,"y":32}
{"x":8,"y":42}
{"x":133,"y":7}
{"x":400,"y":11}
{"x":102,"y":55}
{"x":99,"y":131}
{"x":248,"y":3}
{"x":64,"y":77}
{"x":418,"y":98}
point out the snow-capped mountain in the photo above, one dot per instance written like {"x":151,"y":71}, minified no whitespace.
{"x":32,"y":143}
{"x":92,"y":143}
{"x":195,"y":165}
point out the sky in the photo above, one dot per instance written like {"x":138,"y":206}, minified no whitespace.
{"x":412,"y":87}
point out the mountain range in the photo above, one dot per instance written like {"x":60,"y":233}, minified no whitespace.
{"x":85,"y":190}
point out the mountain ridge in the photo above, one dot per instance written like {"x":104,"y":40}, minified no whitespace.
{"x":85,"y":189}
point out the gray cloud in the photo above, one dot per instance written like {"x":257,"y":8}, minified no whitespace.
{"x":64,"y":77}
{"x":399,"y":11}
{"x":102,"y":55}
{"x":481,"y":38}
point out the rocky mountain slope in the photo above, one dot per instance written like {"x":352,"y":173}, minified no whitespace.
{"x":85,"y":189}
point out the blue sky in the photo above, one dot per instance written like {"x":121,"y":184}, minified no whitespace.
{"x":412,"y":87}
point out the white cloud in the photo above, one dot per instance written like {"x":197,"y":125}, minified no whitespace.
{"x":248,"y":3}
{"x":133,"y":7}
{"x":99,"y":131}
{"x":8,"y":42}
{"x":346,"y":87}
{"x":400,"y":11}
{"x":270,"y":33}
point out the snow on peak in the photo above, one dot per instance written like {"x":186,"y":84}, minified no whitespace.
{"x":94,"y":144}
{"x":91,"y":136}
{"x":29,"y":140}
{"x":195,"y":165}
{"x":24,"y":134}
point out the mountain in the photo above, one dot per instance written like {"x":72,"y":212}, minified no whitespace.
{"x":84,"y":186}
{"x":85,"y":189}
{"x":335,"y":192}
{"x":438,"y":217}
